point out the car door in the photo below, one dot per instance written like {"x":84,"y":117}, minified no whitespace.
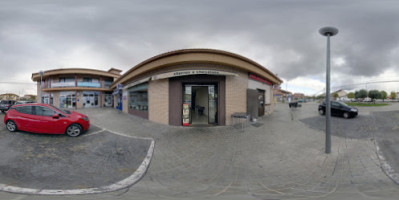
{"x":335,"y":108}
{"x":48,"y":123}
{"x":26,"y":120}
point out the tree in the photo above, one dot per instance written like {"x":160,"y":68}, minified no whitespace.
{"x":375,"y":94}
{"x":393,"y":95}
{"x":335,"y":95}
{"x":361,"y":94}
{"x":351,"y":95}
{"x":383,"y":95}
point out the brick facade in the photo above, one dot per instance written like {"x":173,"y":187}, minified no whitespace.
{"x":158,"y":101}
{"x":236,"y":92}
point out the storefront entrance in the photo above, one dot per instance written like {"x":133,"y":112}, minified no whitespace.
{"x":261,"y":102}
{"x":91,"y":99}
{"x":67,"y":100}
{"x":201,"y":102}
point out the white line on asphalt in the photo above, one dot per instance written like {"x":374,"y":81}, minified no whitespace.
{"x":132,"y":179}
{"x":102,"y":130}
{"x":385,"y":166}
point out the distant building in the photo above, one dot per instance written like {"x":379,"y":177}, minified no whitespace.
{"x":9,"y":96}
{"x":29,"y":97}
{"x":342,"y":95}
{"x":281,"y":95}
{"x":297,"y":96}
{"x":76,"y":88}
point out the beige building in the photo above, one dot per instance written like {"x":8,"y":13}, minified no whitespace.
{"x":75,"y":88}
{"x":9,"y":96}
{"x":195,"y":86}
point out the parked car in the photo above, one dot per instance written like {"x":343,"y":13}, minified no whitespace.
{"x":339,"y":109}
{"x":6,"y":104}
{"x":44,"y":118}
{"x":23,"y":102}
{"x":294,"y":104}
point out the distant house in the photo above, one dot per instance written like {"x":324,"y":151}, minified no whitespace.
{"x":9,"y":96}
{"x":281,"y":95}
{"x":29,"y":97}
{"x":297,"y":96}
{"x":342,"y":95}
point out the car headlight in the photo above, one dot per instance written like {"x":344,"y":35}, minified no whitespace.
{"x":85,"y":118}
{"x":353,"y":110}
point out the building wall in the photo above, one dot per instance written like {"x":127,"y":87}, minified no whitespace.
{"x":79,"y":96}
{"x":125,"y":101}
{"x":236,"y":92}
{"x":158,"y":101}
{"x":56,"y":98}
{"x":252,"y":84}
{"x":38,"y":99}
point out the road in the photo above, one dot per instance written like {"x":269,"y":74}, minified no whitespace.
{"x":280,"y":157}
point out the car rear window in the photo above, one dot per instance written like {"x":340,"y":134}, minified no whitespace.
{"x":24,"y":109}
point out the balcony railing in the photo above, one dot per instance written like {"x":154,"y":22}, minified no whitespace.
{"x":63,"y":84}
{"x":89,"y":84}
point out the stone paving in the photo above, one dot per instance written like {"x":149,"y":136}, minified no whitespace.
{"x":279,"y":158}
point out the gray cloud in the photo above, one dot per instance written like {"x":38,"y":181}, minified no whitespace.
{"x":281,"y":35}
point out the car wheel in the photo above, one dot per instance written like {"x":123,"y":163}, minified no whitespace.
{"x":321,"y":111}
{"x":346,"y":115}
{"x":11,"y":126}
{"x":73,"y":130}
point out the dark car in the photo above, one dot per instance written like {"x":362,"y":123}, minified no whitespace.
{"x":6,"y":104}
{"x":339,"y":109}
{"x":44,"y":118}
{"x":23,"y":102}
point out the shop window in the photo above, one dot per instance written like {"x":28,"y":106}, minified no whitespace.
{"x":66,"y":80}
{"x":138,"y":97}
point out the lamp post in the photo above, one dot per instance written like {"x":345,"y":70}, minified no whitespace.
{"x":328,"y":32}
{"x":41,"y":88}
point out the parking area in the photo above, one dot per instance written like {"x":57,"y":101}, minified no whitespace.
{"x":280,"y":157}
{"x":31,"y":163}
{"x":376,"y":124}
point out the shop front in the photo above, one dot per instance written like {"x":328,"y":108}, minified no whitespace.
{"x":201,"y":97}
{"x":195,"y":87}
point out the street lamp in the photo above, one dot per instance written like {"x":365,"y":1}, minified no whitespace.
{"x":328,"y":32}
{"x":41,"y":88}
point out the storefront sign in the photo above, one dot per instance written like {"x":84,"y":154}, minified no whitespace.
{"x":186,"y":115}
{"x":257,"y":78}
{"x":192,"y":72}
{"x":136,"y":83}
{"x":118,"y":89}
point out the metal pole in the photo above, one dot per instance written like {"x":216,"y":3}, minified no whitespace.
{"x":41,"y":87}
{"x":328,"y":102}
{"x":328,"y":32}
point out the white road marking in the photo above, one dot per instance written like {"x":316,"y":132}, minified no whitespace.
{"x":132,"y":179}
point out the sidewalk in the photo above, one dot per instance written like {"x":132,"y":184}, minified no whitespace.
{"x":280,"y":159}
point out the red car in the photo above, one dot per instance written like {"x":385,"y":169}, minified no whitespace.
{"x":44,"y":118}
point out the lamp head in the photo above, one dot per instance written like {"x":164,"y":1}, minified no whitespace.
{"x":328,"y":31}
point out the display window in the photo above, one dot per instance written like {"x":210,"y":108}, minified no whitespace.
{"x":138,"y":97}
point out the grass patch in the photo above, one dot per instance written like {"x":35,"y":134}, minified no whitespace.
{"x":366,"y":104}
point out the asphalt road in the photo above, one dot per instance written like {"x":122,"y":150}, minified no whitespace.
{"x":280,"y":157}
{"x":95,"y":159}
{"x":381,"y":126}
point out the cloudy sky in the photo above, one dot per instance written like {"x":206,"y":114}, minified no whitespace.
{"x":281,"y":35}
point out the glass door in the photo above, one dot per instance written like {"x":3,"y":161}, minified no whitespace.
{"x":212,"y":104}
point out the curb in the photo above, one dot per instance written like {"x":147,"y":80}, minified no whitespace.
{"x":386,"y":168}
{"x":129,"y":181}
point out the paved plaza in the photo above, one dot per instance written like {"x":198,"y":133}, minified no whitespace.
{"x":280,"y":157}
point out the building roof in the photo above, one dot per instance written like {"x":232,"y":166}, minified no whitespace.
{"x":197,"y":55}
{"x":64,"y":71}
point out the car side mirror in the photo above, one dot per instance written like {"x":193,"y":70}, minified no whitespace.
{"x":56,"y":116}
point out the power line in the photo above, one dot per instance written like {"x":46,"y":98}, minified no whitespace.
{"x":5,"y":82}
